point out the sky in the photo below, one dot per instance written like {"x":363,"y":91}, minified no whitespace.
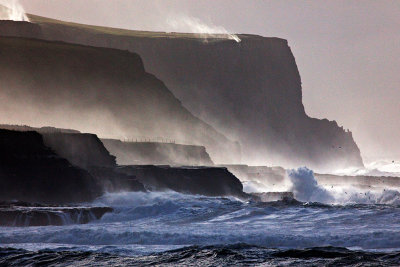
{"x":347,"y":51}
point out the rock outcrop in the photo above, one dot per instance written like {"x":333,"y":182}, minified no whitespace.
{"x":208,"y":181}
{"x":83,"y":150}
{"x":19,"y":214}
{"x":157,"y":153}
{"x":31,"y":172}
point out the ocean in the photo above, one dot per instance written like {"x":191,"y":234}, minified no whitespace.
{"x":324,"y":226}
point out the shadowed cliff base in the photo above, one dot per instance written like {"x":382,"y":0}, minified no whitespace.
{"x":31,"y":171}
{"x":206,"y":181}
{"x":250,"y":91}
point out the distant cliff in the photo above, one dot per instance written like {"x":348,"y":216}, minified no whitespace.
{"x":250,"y":91}
{"x":143,"y":153}
{"x":104,"y":90}
{"x":208,"y":181}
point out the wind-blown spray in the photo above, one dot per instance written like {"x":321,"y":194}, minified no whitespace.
{"x":195,"y":25}
{"x":12,"y":10}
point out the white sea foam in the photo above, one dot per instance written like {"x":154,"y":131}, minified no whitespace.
{"x":147,"y":222}
{"x":305,"y":188}
{"x":162,"y":221}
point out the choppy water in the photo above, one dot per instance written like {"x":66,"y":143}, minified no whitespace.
{"x":170,"y":228}
{"x":211,"y":228}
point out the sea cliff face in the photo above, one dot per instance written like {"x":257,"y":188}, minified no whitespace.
{"x":30,"y":171}
{"x":250,"y":91}
{"x":83,"y":150}
{"x":105,"y":90}
{"x":61,"y":166}
{"x":207,"y":181}
{"x":157,"y":153}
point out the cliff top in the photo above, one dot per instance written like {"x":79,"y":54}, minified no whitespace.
{"x":44,"y":129}
{"x":147,"y":34}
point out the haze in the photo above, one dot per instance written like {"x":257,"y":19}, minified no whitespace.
{"x":347,"y":51}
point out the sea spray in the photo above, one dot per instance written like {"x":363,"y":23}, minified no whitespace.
{"x":12,"y":10}
{"x":144,"y":222}
{"x":305,"y":187}
{"x":389,"y":168}
{"x":195,"y":25}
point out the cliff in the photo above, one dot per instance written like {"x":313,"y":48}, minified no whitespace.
{"x":30,"y":171}
{"x":105,"y":91}
{"x":83,"y":150}
{"x":208,"y":181}
{"x":20,"y":29}
{"x":156,"y":153}
{"x":42,"y":130}
{"x":250,"y":91}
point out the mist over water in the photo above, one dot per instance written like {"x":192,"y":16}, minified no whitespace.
{"x":383,"y":167}
{"x":341,"y":191}
{"x":13,"y":11}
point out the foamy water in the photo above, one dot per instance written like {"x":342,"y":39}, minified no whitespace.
{"x":144,"y":223}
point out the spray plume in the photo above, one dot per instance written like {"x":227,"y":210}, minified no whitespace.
{"x":195,"y":25}
{"x":12,"y":10}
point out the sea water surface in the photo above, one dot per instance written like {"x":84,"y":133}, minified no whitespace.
{"x":169,"y":228}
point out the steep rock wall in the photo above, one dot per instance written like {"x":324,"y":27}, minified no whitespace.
{"x":144,"y":153}
{"x":250,"y":91}
{"x":208,"y":181}
{"x":103,"y":90}
{"x":30,"y":171}
{"x":83,"y":150}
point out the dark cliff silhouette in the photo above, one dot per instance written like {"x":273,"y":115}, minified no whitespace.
{"x":250,"y":91}
{"x":32,"y":172}
{"x":208,"y":181}
{"x":83,"y":169}
{"x":106,"y":90}
{"x":157,"y":153}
